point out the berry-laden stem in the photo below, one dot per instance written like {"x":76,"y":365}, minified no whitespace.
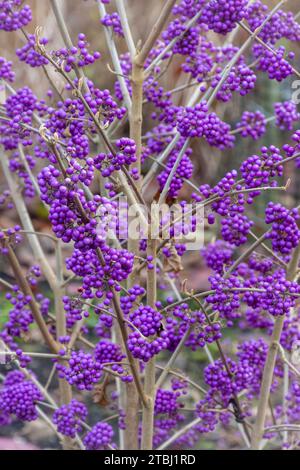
{"x":148,"y":411}
{"x":237,"y":406}
{"x":115,"y":299}
{"x":26,"y":223}
{"x":26,"y":289}
{"x":53,"y":280}
{"x":258,"y":428}
{"x":124,"y":333}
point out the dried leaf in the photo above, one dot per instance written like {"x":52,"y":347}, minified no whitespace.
{"x":26,"y":336}
{"x":67,"y":132}
{"x":99,"y":395}
{"x":173,"y":262}
{"x":184,"y":288}
{"x":80,"y":83}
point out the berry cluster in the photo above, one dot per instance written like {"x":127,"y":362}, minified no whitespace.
{"x":225,"y":383}
{"x":252,"y":125}
{"x":236,"y":228}
{"x":282,"y":24}
{"x":276,"y":65}
{"x":20,"y":317}
{"x":126,"y":155}
{"x":6,"y":72}
{"x":16,"y":165}
{"x":113,"y":21}
{"x":147,"y":320}
{"x":222,"y":15}
{"x":19,"y":396}
{"x":253,"y":354}
{"x":286,"y":115}
{"x":197,"y":122}
{"x":241,"y":79}
{"x":259,"y":170}
{"x":226,"y":299}
{"x":272,"y":293}
{"x":225,"y":204}
{"x":134,"y":295}
{"x":13,"y":15}
{"x":144,"y":349}
{"x":218,"y":256}
{"x":103,"y":105}
{"x":29,"y":55}
{"x":203,"y":335}
{"x":108,"y":353}
{"x":83,"y":370}
{"x":209,"y":419}
{"x":285,"y":234}
{"x":68,"y":418}
{"x":117,"y":266}
{"x":19,"y":108}
{"x":77,"y":56}
{"x":166,"y":402}
{"x":99,"y":437}
{"x":199,"y":55}
{"x":188,"y":8}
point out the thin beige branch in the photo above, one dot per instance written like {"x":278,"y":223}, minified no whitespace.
{"x":155,"y":33}
{"x":148,"y":410}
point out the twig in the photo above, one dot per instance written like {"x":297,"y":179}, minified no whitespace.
{"x":179,"y":433}
{"x":183,"y":377}
{"x":115,"y":58}
{"x":172,"y":173}
{"x":125,"y":26}
{"x":66,"y":37}
{"x":51,"y":376}
{"x":241,"y":50}
{"x":173,"y":358}
{"x":170,"y":45}
{"x":237,"y":406}
{"x":6,"y":284}
{"x":246,"y":254}
{"x":287,"y":363}
{"x":266,"y":46}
